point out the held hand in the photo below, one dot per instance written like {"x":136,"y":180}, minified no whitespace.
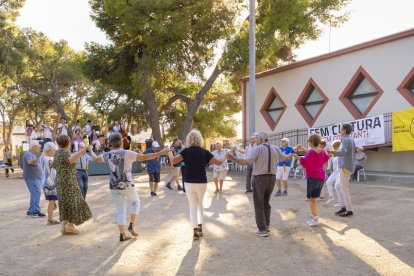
{"x":165,"y":151}
{"x":331,"y":152}
{"x":229,"y":156}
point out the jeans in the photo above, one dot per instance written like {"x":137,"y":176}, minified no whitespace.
{"x":82,"y":177}
{"x":35,"y":189}
{"x":263,"y":186}
{"x":119,"y":197}
{"x":249,"y":178}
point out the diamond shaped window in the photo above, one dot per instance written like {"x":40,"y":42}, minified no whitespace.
{"x":273,"y":109}
{"x":406,"y":88}
{"x":311,"y":102}
{"x":361,"y":94}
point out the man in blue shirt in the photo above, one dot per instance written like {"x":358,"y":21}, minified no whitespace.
{"x":153,"y":168}
{"x":32,"y":175}
{"x":283,"y":168}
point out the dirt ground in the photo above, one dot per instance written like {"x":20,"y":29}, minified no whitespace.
{"x":377,"y":240}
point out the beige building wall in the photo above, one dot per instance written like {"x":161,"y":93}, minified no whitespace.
{"x":388,"y":63}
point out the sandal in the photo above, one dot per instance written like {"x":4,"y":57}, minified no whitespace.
{"x":52,"y":222}
{"x":132,"y":230}
{"x":124,"y":237}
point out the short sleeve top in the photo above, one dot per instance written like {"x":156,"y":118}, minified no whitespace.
{"x":196,"y":159}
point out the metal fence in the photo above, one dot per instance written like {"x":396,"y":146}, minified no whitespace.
{"x":300,"y":136}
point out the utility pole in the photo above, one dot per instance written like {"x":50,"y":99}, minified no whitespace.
{"x":252,"y":65}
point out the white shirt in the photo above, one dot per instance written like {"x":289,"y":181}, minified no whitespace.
{"x":88,"y":129}
{"x":63,"y":130}
{"x":220,"y":155}
{"x":35,"y":135}
{"x":116,"y":128}
{"x":47,"y":132}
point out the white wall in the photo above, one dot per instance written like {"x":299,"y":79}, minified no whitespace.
{"x":386,"y":160}
{"x":388,"y":64}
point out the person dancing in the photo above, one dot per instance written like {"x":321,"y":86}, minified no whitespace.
{"x":196,"y":159}
{"x":73,"y":209}
{"x":220,"y":171}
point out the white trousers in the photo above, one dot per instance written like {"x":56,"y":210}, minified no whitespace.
{"x":342,"y":189}
{"x":195,"y":194}
{"x":75,"y":145}
{"x":96,"y":144}
{"x":330,"y":183}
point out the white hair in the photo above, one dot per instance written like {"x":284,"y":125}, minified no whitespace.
{"x":194,"y":138}
{"x":34,"y":143}
{"x":50,"y":146}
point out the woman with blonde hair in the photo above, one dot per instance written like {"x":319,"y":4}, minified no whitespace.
{"x":196,"y":159}
{"x":48,"y":180}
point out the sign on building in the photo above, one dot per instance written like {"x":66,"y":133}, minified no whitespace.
{"x":367,"y":132}
{"x":403,"y":130}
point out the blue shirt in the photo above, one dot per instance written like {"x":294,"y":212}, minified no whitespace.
{"x":153,"y":165}
{"x":288,"y":150}
{"x":31,"y":172}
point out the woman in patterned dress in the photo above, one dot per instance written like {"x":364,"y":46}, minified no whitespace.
{"x":73,"y":209}
{"x":220,"y":171}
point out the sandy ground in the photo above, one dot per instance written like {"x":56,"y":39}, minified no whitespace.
{"x":378,"y":240}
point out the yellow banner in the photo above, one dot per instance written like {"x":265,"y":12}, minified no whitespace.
{"x":403,"y":130}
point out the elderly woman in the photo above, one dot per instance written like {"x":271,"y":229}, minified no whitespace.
{"x":73,"y":209}
{"x":220,"y":171}
{"x":48,"y":180}
{"x":196,"y":159}
{"x":121,"y":182}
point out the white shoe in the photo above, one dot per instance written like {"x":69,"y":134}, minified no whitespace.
{"x":329,"y":200}
{"x":338,"y":204}
{"x":313,"y":222}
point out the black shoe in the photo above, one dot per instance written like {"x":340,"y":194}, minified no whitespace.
{"x":39,"y":214}
{"x":168,"y":185}
{"x":152,"y":193}
{"x":29,"y":213}
{"x":199,"y":230}
{"x":340,"y":211}
{"x":155,"y":194}
{"x":179,"y":188}
{"x":248,"y":191}
{"x":346,"y":214}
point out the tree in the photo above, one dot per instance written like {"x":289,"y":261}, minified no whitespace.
{"x":178,"y":37}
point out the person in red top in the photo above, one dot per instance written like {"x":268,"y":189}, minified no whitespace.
{"x":314,"y":162}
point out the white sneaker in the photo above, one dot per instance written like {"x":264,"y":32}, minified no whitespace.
{"x":313,"y":222}
{"x":338,"y":204}
{"x":329,"y":200}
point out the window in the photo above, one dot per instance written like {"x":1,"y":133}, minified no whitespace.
{"x":406,"y":88}
{"x":311,"y":102}
{"x":273,"y":109}
{"x":361,"y":94}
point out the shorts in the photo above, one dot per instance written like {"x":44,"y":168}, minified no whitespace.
{"x":154,"y":177}
{"x":221,"y":175}
{"x":282,"y":172}
{"x":314,"y":187}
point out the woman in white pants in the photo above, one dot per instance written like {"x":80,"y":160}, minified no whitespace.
{"x":196,"y":159}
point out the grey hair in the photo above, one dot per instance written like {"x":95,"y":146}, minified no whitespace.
{"x":194,"y":138}
{"x":115,"y":140}
{"x":34,"y":143}
{"x":50,"y":146}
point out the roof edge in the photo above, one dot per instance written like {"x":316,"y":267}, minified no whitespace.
{"x":357,"y":47}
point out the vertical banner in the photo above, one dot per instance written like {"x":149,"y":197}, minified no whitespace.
{"x":403,"y":130}
{"x":367,"y":131}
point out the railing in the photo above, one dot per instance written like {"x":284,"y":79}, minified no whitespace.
{"x":300,"y":136}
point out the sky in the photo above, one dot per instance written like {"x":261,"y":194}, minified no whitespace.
{"x":368,"y":20}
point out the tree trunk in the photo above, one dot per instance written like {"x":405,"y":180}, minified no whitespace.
{"x":153,"y":113}
{"x":56,"y":97}
{"x":193,"y":106}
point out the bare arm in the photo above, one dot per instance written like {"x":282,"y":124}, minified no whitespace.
{"x":98,"y":159}
{"x":175,"y":159}
{"x":75,"y":157}
{"x":218,"y":162}
{"x":239,"y":161}
{"x":149,"y":156}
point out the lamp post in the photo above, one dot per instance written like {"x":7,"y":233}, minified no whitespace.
{"x":252,"y":65}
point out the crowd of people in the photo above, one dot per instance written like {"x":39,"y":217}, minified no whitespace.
{"x":61,"y":172}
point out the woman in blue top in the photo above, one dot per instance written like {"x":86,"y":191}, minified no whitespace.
{"x":48,"y":180}
{"x":283,"y":168}
{"x":196,"y":159}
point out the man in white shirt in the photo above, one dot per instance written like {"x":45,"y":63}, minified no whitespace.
{"x":117,"y":127}
{"x":35,"y":134}
{"x":62,"y":128}
{"x":88,"y":128}
{"x":76,"y":126}
{"x":82,"y":166}
{"x":47,"y":134}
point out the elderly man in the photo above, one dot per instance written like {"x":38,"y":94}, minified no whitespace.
{"x":32,"y":175}
{"x":283,"y":168}
{"x":82,"y":171}
{"x":264,"y":158}
{"x":153,"y":168}
{"x":359,"y":162}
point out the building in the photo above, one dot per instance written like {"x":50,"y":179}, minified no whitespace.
{"x":369,"y":79}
